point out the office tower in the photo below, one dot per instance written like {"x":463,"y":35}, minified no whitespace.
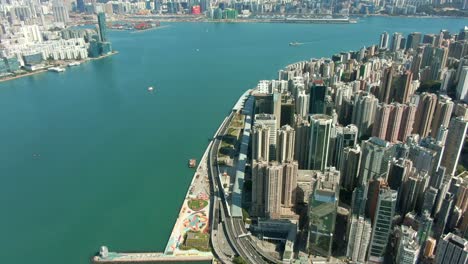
{"x":268,"y":120}
{"x":462,"y":86}
{"x":386,"y":86}
{"x":436,"y":146}
{"x":452,"y":249}
{"x":454,"y":144}
{"x":384,"y":38}
{"x":439,"y":60}
{"x":424,"y":114}
{"x":102,"y":27}
{"x":349,"y":166}
{"x":60,"y":12}
{"x":287,"y":111}
{"x":302,"y":104}
{"x":323,"y":208}
{"x":317,"y":99}
{"x":382,"y":117}
{"x":430,"y":198}
{"x":427,"y":55}
{"x":425,"y":227}
{"x":408,"y":247}
{"x":382,"y":224}
{"x":412,"y":191}
{"x":429,"y":39}
{"x":320,"y":129}
{"x":443,"y":216}
{"x":443,"y":112}
{"x":396,"y":41}
{"x":80,"y":6}
{"x":358,"y":239}
{"x":413,"y":40}
{"x":398,"y":171}
{"x":288,"y":192}
{"x":438,"y":178}
{"x":273,"y":189}
{"x":407,"y":121}
{"x":359,"y":201}
{"x":301,"y":148}
{"x":376,"y":154}
{"x":285,"y":145}
{"x":261,"y":142}
{"x":365,"y":105}
{"x":423,"y":158}
{"x":258,"y":182}
{"x":345,"y":137}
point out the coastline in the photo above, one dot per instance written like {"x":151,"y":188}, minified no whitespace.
{"x":45,"y":69}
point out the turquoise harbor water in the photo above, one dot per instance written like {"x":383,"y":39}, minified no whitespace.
{"x":89,"y":157}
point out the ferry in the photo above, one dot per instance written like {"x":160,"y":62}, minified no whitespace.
{"x":295,"y":43}
{"x":75,"y":63}
{"x":192,"y":163}
{"x":56,"y":69}
{"x":150,"y":89}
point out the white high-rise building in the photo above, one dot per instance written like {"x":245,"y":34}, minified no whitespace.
{"x":462,"y":87}
{"x":302,"y":104}
{"x":268,"y":120}
{"x":285,"y":145}
{"x":454,"y":143}
{"x":60,"y":13}
{"x":358,"y":239}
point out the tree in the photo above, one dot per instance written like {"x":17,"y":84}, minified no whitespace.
{"x":239,"y":260}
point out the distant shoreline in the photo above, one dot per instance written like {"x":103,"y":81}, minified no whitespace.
{"x":45,"y":69}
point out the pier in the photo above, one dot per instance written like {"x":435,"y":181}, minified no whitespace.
{"x":192,"y":224}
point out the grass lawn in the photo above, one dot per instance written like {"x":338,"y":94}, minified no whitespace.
{"x":197,"y":204}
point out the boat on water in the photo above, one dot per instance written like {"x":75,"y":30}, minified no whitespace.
{"x":56,"y":69}
{"x":295,"y":43}
{"x":75,"y":63}
{"x":192,"y":163}
{"x":150,"y":89}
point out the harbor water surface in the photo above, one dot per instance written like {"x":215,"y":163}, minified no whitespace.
{"x":90,"y":157}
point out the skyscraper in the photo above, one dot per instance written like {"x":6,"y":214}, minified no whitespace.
{"x":358,"y":239}
{"x":376,"y":154}
{"x":396,"y":41}
{"x":424,"y":114}
{"x":302,"y":104}
{"x":365,"y":105}
{"x":60,"y":12}
{"x":345,"y":137}
{"x":413,"y":40}
{"x":285,"y":145}
{"x":258,"y":187}
{"x":288,"y":189}
{"x":102,"y":27}
{"x":349,"y":166}
{"x":273,"y":186}
{"x":320,"y":128}
{"x":384,"y":39}
{"x":443,"y":112}
{"x":407,"y":246}
{"x":261,"y":142}
{"x":317,"y":99}
{"x":382,"y":117}
{"x":268,"y":120}
{"x":462,"y":87}
{"x":382,"y":224}
{"x":301,"y":148}
{"x":323,"y":208}
{"x":452,"y":249}
{"x":407,"y":122}
{"x":454,"y":143}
